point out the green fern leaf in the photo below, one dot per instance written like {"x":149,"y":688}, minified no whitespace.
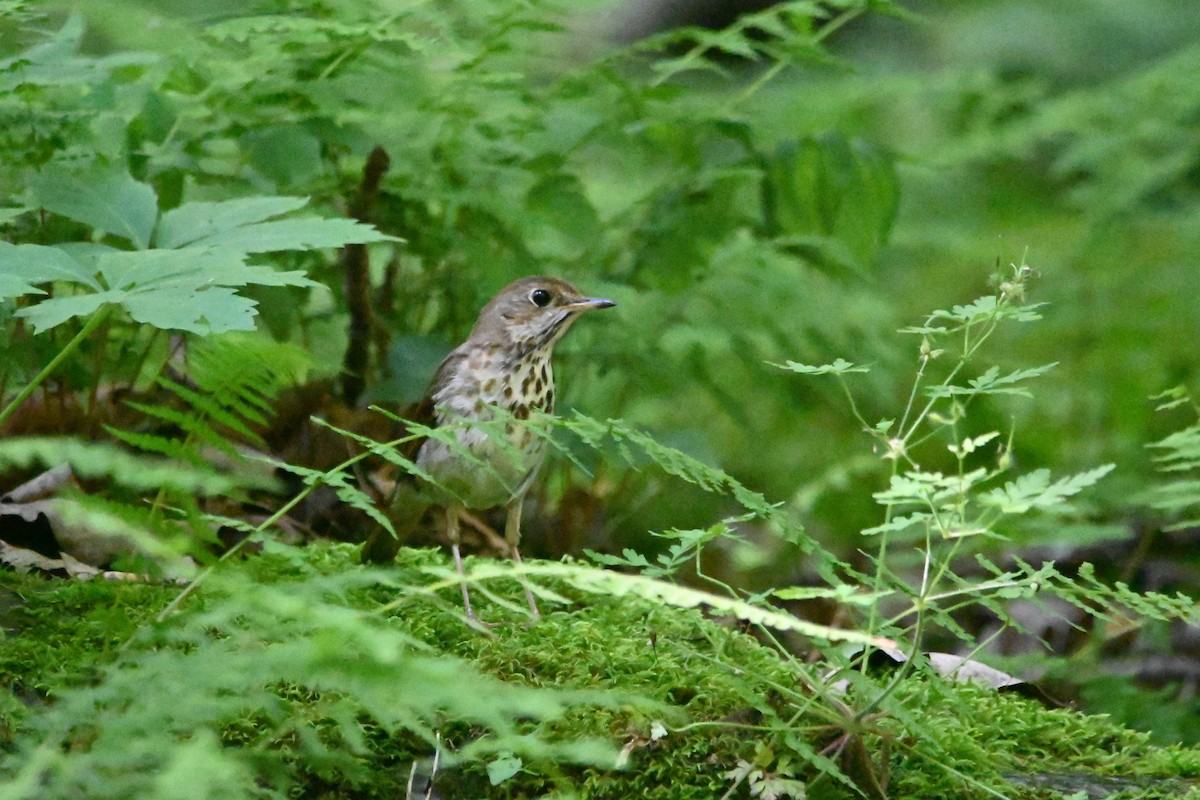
{"x":94,"y":460}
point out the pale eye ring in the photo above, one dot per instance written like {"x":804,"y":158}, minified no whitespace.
{"x":540,"y":298}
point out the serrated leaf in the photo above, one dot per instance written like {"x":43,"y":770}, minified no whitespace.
{"x":1034,"y":490}
{"x":293,"y":234}
{"x":24,"y":265}
{"x":107,"y":199}
{"x":924,"y":488}
{"x":992,"y":382}
{"x":838,"y":367}
{"x":215,"y":310}
{"x":57,"y":310}
{"x":898,"y":524}
{"x":189,"y":289}
{"x":628,"y":558}
{"x":192,"y":222}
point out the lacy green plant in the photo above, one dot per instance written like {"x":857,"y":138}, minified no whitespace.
{"x":940,"y":510}
{"x":941,"y":513}
{"x":946,"y":516}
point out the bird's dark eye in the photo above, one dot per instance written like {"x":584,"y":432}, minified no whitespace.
{"x":539,"y":297}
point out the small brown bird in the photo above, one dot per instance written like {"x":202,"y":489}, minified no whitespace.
{"x":504,"y":364}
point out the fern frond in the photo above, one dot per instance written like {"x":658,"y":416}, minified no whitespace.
{"x":616,"y":584}
{"x":95,"y":460}
{"x":343,"y":486}
{"x":674,"y":462}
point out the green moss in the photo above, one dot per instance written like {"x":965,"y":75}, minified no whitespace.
{"x":1005,"y":739}
{"x":625,"y":665}
{"x":56,"y":632}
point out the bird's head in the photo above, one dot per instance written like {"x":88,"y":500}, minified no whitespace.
{"x":532,"y":313}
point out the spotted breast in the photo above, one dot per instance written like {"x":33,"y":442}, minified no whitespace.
{"x":486,"y":468}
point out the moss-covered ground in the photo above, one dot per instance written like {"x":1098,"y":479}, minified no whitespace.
{"x":681,"y":696}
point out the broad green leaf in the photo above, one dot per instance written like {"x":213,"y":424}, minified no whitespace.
{"x":107,"y":199}
{"x":24,"y":265}
{"x":194,"y":221}
{"x":12,"y":286}
{"x":559,"y":221}
{"x":56,"y":61}
{"x":832,"y":188}
{"x":188,"y":289}
{"x":193,"y":267}
{"x":57,"y":310}
{"x":212,"y":310}
{"x":292,"y":234}
{"x":288,"y":154}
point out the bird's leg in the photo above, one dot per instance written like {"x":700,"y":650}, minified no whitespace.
{"x":512,"y":534}
{"x":455,"y":540}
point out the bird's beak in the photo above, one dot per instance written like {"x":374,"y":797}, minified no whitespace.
{"x":589,"y":303}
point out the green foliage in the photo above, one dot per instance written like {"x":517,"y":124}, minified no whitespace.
{"x":114,"y":464}
{"x":236,"y":378}
{"x":505,"y":153}
{"x":188,"y":280}
{"x":614,"y":584}
{"x":747,"y":204}
{"x":302,"y":670}
{"x":1179,"y":453}
{"x":290,"y":674}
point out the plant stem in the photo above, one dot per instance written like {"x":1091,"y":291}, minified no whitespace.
{"x":68,"y":349}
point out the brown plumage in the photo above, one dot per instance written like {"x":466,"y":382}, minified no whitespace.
{"x":504,"y":364}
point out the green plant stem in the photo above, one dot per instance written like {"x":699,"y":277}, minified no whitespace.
{"x":98,"y":370}
{"x":69,"y":348}
{"x":902,"y":672}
